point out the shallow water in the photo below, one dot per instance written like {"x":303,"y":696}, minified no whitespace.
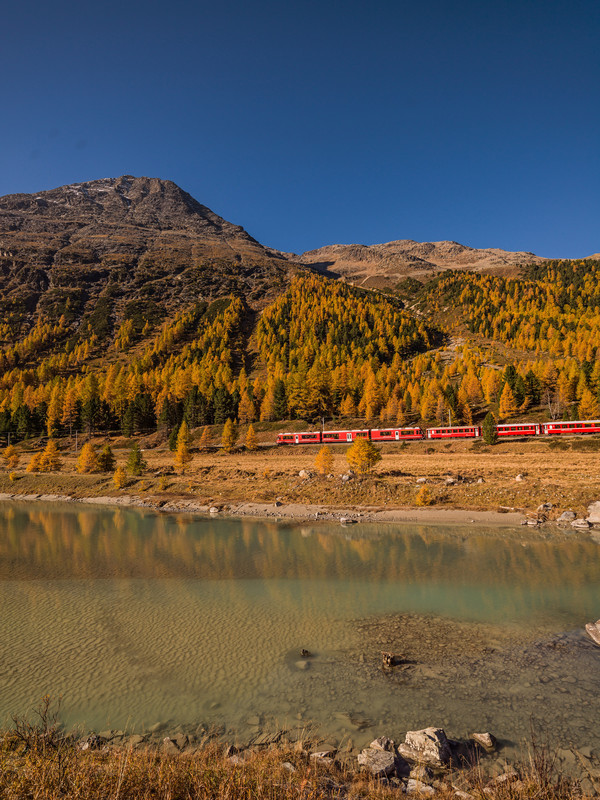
{"x":135,"y":618}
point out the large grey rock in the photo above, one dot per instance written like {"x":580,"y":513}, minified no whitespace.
{"x":593,"y":631}
{"x":581,"y":523}
{"x":169,"y":746}
{"x":567,"y":516}
{"x":380,"y":763}
{"x":418,"y":787}
{"x":594,"y":512}
{"x":383,"y":743}
{"x":428,"y":746}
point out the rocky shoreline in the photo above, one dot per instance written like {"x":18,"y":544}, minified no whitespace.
{"x":427,"y":763}
{"x":504,"y":517}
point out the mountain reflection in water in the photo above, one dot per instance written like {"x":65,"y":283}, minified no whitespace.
{"x":134,"y":616}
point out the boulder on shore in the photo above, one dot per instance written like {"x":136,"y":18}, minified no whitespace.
{"x":428,"y":746}
{"x":380,"y":763}
{"x":567,"y":516}
{"x":594,"y":512}
{"x":581,"y":523}
{"x":593,"y":631}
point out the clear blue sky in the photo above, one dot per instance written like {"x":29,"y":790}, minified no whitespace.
{"x":311,"y":123}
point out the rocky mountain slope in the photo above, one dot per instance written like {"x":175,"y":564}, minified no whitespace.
{"x":387,"y":264}
{"x":127,"y":238}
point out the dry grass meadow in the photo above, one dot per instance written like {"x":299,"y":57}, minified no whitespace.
{"x":563,"y":472}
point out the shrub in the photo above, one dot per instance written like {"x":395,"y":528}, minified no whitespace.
{"x":424,"y":496}
{"x":11,"y":457}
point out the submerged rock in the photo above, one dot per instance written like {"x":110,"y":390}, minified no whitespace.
{"x":486,"y":740}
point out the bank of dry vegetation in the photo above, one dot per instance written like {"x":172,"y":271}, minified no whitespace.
{"x":38,"y":760}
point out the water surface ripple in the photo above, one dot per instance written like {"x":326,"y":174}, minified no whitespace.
{"x":135,"y":617}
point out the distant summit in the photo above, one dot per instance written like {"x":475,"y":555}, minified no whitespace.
{"x":101,"y":206}
{"x":386,"y":264}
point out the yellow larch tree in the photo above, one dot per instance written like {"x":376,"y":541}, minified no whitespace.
{"x":11,"y":457}
{"x":362,"y":456}
{"x":508,"y":404}
{"x":50,"y":460}
{"x":182,"y":450}
{"x":251,"y":440}
{"x":324,"y":461}
{"x":230,"y":435}
{"x":88,"y":459}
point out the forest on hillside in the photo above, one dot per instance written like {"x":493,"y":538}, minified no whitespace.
{"x":455,"y":348}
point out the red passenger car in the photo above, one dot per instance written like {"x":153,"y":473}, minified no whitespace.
{"x":457,"y":432}
{"x":395,"y":434}
{"x":336,"y":437}
{"x":285,"y":438}
{"x":518,"y":429}
{"x":578,"y":426}
{"x":308,"y":437}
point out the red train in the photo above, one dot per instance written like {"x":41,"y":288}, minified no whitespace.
{"x":504,"y":430}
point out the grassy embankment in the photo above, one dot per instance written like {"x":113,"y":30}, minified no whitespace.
{"x":38,"y":760}
{"x":563,"y":472}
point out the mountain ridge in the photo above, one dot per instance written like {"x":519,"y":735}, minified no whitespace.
{"x":382,"y":265}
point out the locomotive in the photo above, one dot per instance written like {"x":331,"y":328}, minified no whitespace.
{"x":504,"y":431}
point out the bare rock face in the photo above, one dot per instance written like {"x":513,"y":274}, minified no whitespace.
{"x":124,"y":239}
{"x":429,"y":746}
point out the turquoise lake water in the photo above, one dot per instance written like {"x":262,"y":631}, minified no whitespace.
{"x":134,"y":618}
